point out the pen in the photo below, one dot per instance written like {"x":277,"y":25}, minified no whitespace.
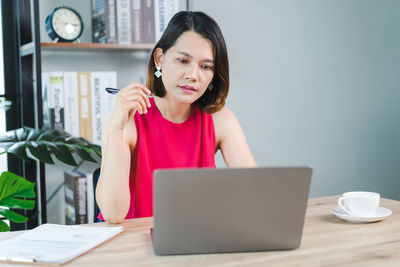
{"x":18,"y":258}
{"x":22,"y":259}
{"x":115,"y":91}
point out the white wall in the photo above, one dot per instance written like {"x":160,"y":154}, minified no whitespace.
{"x":317,"y":83}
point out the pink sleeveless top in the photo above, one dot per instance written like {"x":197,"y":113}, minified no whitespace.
{"x":164,"y":144}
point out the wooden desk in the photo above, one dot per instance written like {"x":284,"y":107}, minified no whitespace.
{"x":327,"y":241}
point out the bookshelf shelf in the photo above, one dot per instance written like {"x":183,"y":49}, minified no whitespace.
{"x":95,"y":47}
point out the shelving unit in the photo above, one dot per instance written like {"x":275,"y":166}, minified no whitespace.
{"x":95,"y":46}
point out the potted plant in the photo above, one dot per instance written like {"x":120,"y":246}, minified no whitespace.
{"x":41,"y":143}
{"x":13,"y":189}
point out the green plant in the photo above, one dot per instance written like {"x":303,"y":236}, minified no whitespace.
{"x":41,"y":143}
{"x":12,"y":189}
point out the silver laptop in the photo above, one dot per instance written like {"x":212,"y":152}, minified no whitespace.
{"x":229,"y":210}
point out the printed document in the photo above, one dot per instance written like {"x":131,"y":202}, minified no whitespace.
{"x":54,"y":243}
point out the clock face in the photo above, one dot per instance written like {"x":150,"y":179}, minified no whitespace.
{"x":66,"y":23}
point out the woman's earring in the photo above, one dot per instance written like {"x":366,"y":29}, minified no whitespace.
{"x":158,"y":73}
{"x":210,"y":86}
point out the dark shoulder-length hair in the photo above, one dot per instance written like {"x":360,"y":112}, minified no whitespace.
{"x":212,"y":100}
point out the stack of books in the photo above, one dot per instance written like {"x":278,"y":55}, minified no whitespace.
{"x":80,"y":203}
{"x":131,"y":21}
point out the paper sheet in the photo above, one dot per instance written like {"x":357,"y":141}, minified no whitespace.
{"x":55,"y":243}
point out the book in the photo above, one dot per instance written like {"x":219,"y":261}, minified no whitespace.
{"x":75,"y":190}
{"x":164,"y":10}
{"x":111,"y":22}
{"x":56,"y":100}
{"x":54,"y":243}
{"x":85,"y":107}
{"x":124,"y":21}
{"x":159,"y":20}
{"x":108,"y":100}
{"x":90,"y":199}
{"x":45,"y":99}
{"x":71,"y":103}
{"x":97,"y":80}
{"x":98,"y":21}
{"x":148,"y":21}
{"x":102,"y":103}
{"x":136,"y":21}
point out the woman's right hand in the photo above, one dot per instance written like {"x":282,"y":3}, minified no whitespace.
{"x":130,"y":99}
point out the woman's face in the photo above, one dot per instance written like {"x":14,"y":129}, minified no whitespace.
{"x":187,"y":67}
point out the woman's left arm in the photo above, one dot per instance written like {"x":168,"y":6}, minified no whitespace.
{"x":231,"y":140}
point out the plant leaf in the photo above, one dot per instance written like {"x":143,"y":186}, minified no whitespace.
{"x":18,"y":149}
{"x":13,"y":185}
{"x":4,"y":227}
{"x":98,"y":153}
{"x":17,"y":203}
{"x":96,"y":149}
{"x":77,"y":141}
{"x":8,"y":137}
{"x":83,"y":154}
{"x":47,"y":135}
{"x":64,"y":135}
{"x":5,"y":145}
{"x":13,"y":216}
{"x":39,"y":151}
{"x":21,"y":134}
{"x":62,"y":153}
{"x":26,"y":193}
{"x":33,"y":134}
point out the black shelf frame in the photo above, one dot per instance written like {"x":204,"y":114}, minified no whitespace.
{"x":22,"y":81}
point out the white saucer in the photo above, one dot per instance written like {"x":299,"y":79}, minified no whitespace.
{"x":380,"y":214}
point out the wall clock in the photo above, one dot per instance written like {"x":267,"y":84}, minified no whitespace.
{"x":64,"y":24}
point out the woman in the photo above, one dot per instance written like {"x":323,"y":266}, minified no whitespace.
{"x":182,"y":124}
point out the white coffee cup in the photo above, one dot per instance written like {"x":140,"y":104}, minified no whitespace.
{"x":359,"y":203}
